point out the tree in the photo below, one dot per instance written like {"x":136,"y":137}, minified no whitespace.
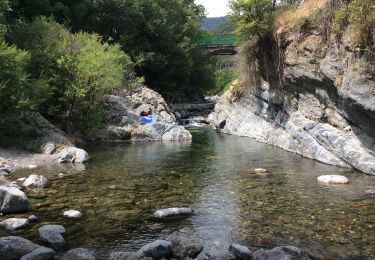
{"x":253,"y":17}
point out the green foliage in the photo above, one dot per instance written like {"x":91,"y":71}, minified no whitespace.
{"x":88,"y":71}
{"x":14,"y":84}
{"x":359,"y":15}
{"x":71,"y":72}
{"x":253,"y":17}
{"x":225,"y":73}
{"x":157,"y":35}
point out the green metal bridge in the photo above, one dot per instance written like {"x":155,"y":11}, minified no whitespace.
{"x":223,"y":44}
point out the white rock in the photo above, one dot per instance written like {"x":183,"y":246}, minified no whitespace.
{"x":333,"y":179}
{"x":72,"y":214}
{"x":14,"y":223}
{"x":172,"y":212}
{"x":21,"y":179}
{"x":73,"y":154}
{"x":35,"y":181}
{"x":32,"y":166}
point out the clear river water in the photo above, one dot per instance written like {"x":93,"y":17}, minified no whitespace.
{"x":123,"y":184}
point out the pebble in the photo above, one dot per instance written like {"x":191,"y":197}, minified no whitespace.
{"x":333,"y":179}
{"x":72,"y":214}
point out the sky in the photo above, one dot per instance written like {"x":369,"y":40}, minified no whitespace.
{"x":215,"y":8}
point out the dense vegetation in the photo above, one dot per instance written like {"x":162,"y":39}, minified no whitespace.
{"x":63,"y":73}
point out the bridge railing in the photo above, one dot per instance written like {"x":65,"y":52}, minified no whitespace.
{"x":217,"y":40}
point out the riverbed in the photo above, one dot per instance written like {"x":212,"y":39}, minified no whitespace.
{"x":123,"y":184}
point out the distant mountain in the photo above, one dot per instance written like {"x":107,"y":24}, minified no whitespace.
{"x":212,"y":22}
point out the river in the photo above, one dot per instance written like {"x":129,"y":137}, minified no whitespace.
{"x":125,"y":183}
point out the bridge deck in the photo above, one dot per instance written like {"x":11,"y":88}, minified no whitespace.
{"x":217,"y":40}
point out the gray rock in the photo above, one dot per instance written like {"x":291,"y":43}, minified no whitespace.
{"x":73,"y":154}
{"x":13,"y":224}
{"x":128,"y":256}
{"x":157,"y":249}
{"x":33,"y":218}
{"x":281,"y":253}
{"x":124,"y":112}
{"x":41,"y":253}
{"x":79,"y":254}
{"x":369,"y":193}
{"x":35,"y":181}
{"x":48,"y":148}
{"x":13,"y":248}
{"x":241,"y":252}
{"x":176,"y":133}
{"x":51,"y":236}
{"x":172,"y":213}
{"x":184,"y":247}
{"x":12,"y":200}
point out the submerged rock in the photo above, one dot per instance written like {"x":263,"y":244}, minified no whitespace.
{"x":333,"y":179}
{"x":51,"y":236}
{"x":73,"y":155}
{"x":183,"y":248}
{"x":157,"y":249}
{"x":12,"y":200}
{"x":33,"y":218}
{"x":13,"y":248}
{"x":41,"y":253}
{"x":172,"y":213}
{"x":72,"y":214}
{"x":241,"y":252}
{"x":369,"y":193}
{"x":281,"y":253}
{"x":35,"y":181}
{"x":13,"y":224}
{"x":128,"y":256}
{"x":79,"y":254}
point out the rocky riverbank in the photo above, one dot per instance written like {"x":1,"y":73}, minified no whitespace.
{"x":309,"y":95}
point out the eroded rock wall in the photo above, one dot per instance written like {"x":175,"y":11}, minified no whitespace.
{"x":315,"y":97}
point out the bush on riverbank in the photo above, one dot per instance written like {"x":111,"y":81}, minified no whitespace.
{"x":61,"y":75}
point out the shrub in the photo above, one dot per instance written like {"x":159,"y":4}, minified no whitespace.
{"x":71,"y":72}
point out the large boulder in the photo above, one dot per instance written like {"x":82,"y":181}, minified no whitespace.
{"x":79,"y":254}
{"x":157,"y":249}
{"x":51,"y":235}
{"x":176,"y":133}
{"x":35,"y":181}
{"x":281,"y":253}
{"x":41,"y":253}
{"x":184,"y":248}
{"x":13,"y":224}
{"x":73,"y":155}
{"x":12,"y":200}
{"x":13,"y":248}
{"x":123,"y":116}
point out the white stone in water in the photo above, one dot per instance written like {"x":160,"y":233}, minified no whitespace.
{"x":333,"y":179}
{"x":172,"y":212}
{"x":32,"y":166}
{"x":21,"y":179}
{"x":260,"y":170}
{"x":72,"y":214}
{"x":61,"y":174}
{"x":14,"y":223}
{"x":35,"y":181}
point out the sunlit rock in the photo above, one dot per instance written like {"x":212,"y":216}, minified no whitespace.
{"x":333,"y":179}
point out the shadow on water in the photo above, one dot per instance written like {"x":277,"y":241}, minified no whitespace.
{"x":124,"y":183}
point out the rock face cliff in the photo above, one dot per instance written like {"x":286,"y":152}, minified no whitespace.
{"x":318,"y":100}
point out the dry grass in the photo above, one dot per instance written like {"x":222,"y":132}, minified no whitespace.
{"x":291,"y":17}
